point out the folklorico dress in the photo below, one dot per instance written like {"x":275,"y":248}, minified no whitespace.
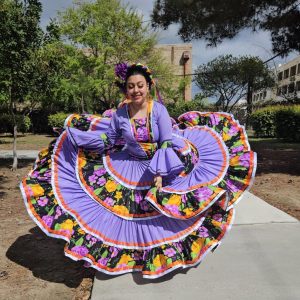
{"x":93,"y":187}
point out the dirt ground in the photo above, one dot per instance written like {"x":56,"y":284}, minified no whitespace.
{"x":33,"y":266}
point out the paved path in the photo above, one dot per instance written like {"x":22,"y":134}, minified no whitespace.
{"x":22,"y":154}
{"x":259,"y":259}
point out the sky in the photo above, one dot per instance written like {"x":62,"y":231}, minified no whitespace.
{"x":245,"y":43}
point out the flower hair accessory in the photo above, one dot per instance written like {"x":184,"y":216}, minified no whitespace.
{"x":121,"y":72}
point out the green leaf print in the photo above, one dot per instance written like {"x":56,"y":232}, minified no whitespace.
{"x":79,"y":242}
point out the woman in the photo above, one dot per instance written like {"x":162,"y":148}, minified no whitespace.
{"x":134,"y":193}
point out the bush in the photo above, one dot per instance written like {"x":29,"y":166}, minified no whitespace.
{"x":277,"y":121}
{"x":39,"y":119}
{"x":57,"y":120}
{"x":177,"y":109}
{"x":6,"y":123}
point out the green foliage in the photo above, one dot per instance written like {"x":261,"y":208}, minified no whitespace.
{"x":277,"y":121}
{"x":227,"y":78}
{"x":57,"y":120}
{"x":215,"y":21}
{"x":7,"y":124}
{"x":180,"y":107}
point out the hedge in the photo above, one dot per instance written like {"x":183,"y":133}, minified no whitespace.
{"x":277,"y":121}
{"x":57,"y":120}
{"x":6,"y":123}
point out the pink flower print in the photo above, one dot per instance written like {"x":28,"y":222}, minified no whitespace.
{"x":43,"y":201}
{"x":233,"y":186}
{"x":203,"y":232}
{"x":178,"y":246}
{"x":170,"y":252}
{"x":80,"y":250}
{"x":214,"y":119}
{"x":184,"y":198}
{"x":114,"y":252}
{"x":109,"y":201}
{"x":138,"y":197}
{"x":48,"y":220}
{"x":191,"y":117}
{"x":237,"y":149}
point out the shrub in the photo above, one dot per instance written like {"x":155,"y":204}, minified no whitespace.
{"x":6,"y":123}
{"x":282,"y":122}
{"x":57,"y":120}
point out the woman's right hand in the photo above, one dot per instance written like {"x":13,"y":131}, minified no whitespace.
{"x":158,"y":182}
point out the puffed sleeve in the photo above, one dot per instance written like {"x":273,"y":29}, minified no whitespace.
{"x":97,"y":140}
{"x":165,"y":161}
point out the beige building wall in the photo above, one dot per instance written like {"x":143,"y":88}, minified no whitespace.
{"x":180,"y":56}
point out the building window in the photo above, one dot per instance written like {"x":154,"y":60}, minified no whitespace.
{"x":298,"y":71}
{"x":293,"y":70}
{"x":291,"y":88}
{"x":298,"y":86}
{"x":278,"y":93}
{"x":265,"y":95}
{"x":280,"y":76}
{"x":286,"y":74}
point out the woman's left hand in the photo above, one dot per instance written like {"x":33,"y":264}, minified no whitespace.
{"x":158,"y":182}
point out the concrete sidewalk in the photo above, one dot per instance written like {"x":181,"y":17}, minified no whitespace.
{"x":259,"y":259}
{"x":22,"y":154}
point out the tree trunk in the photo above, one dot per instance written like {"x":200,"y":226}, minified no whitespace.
{"x":82,"y":104}
{"x":249,"y":104}
{"x":15,"y":155}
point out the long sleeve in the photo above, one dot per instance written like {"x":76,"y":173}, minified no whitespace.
{"x":165,"y":161}
{"x":97,"y":140}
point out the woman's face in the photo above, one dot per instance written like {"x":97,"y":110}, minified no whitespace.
{"x":137,"y":88}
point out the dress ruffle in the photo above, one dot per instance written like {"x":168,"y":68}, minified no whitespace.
{"x":120,"y":227}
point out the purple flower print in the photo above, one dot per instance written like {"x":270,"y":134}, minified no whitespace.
{"x":103,"y":261}
{"x":92,"y":179}
{"x":144,"y":205}
{"x":138,"y":197}
{"x":203,"y":193}
{"x":114,"y":251}
{"x":214,"y":119}
{"x":233,"y":186}
{"x":244,"y":159}
{"x":184,"y":198}
{"x":190,"y":117}
{"x":48,"y":220}
{"x":233,"y":130}
{"x":237,"y":149}
{"x":137,"y":256}
{"x":203,"y":232}
{"x":43,"y":201}
{"x":142,"y":134}
{"x":109,"y":201}
{"x":173,"y":209}
{"x":100,"y":172}
{"x":80,"y":250}
{"x":217,"y":217}
{"x":101,"y":181}
{"x":178,"y":246}
{"x":170,"y":252}
{"x":58,"y":213}
{"x":141,"y":121}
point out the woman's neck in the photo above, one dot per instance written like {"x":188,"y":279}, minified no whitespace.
{"x":138,"y":110}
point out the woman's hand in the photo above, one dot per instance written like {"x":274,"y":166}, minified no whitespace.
{"x":158,"y":182}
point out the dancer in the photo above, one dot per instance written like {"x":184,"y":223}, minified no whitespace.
{"x":135,"y":192}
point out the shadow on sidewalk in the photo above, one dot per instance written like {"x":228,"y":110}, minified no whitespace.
{"x":44,"y":256}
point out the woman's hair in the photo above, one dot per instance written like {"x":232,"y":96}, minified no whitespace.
{"x":139,"y":70}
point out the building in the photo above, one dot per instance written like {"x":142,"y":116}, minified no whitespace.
{"x":287,"y":83}
{"x":180,"y":56}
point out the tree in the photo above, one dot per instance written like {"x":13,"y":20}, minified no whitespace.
{"x":230,"y":79}
{"x":215,"y":21}
{"x":104,"y":33}
{"x":20,"y":36}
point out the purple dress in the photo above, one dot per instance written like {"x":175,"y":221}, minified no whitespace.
{"x":94,"y":188}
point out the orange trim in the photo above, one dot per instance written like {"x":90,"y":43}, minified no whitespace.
{"x":155,"y":213}
{"x":217,"y":176}
{"x":103,"y":237}
{"x":134,"y":183}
